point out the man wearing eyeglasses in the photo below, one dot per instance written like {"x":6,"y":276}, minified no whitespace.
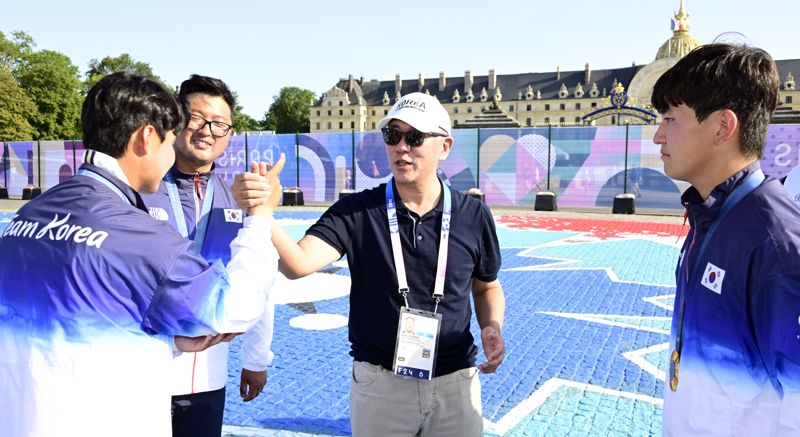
{"x":416,"y":249}
{"x":198,"y":203}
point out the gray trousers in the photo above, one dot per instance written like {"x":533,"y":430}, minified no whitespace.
{"x":382,"y":404}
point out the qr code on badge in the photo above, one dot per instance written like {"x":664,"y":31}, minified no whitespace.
{"x":426,"y":353}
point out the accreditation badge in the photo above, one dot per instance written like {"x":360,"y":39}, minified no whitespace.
{"x":417,"y":339}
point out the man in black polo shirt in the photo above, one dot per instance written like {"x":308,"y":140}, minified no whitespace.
{"x":415,"y":249}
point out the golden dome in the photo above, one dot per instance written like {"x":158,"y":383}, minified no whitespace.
{"x":681,"y":42}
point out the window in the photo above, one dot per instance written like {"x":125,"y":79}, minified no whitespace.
{"x":352,"y":112}
{"x":613,"y":120}
{"x":788,"y":99}
{"x":528,"y":121}
{"x":561,"y":120}
{"x":341,"y":103}
{"x":483,"y":108}
{"x":373,"y":125}
{"x":547,"y":107}
{"x":510,"y":108}
{"x":577,"y":106}
{"x":317,"y":113}
{"x":469,"y":109}
{"x":373,"y":112}
{"x":385,"y":112}
{"x":529,"y":107}
{"x":341,"y":112}
{"x":341,"y":125}
{"x":594,"y":104}
{"x":329,"y":113}
{"x":546,"y":120}
{"x":317,"y":125}
{"x":329,"y":103}
{"x":352,"y":125}
{"x":455,"y":110}
{"x":577,"y":120}
{"x":562,"y":106}
{"x":329,"y":125}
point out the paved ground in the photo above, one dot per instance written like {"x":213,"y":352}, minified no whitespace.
{"x":589,"y":299}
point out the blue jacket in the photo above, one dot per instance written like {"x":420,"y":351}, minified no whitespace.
{"x":739,"y":370}
{"x":92,"y":290}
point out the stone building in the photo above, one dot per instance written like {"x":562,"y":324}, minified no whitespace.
{"x":562,"y":98}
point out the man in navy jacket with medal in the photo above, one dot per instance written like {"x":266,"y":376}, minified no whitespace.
{"x":734,"y":363}
{"x":197,"y":203}
{"x":416,"y":249}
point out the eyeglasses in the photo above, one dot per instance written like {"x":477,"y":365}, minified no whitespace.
{"x":218,"y":128}
{"x":414,"y":138}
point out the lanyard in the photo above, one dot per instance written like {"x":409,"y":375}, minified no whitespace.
{"x":104,"y":181}
{"x":750,"y":183}
{"x":177,"y":210}
{"x":394,"y":234}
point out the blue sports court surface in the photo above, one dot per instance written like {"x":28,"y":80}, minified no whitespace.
{"x":589,"y":303}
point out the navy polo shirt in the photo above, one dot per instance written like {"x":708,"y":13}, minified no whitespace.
{"x":357,"y":226}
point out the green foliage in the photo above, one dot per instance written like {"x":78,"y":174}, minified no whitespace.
{"x":52,"y":82}
{"x":289,"y":111}
{"x":124,"y":62}
{"x":241,"y":121}
{"x":15,"y":110}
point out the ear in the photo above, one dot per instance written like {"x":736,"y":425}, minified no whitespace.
{"x":728,"y":127}
{"x":141,"y":140}
{"x":447,"y":145}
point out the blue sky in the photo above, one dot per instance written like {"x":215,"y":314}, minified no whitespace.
{"x":257,"y":47}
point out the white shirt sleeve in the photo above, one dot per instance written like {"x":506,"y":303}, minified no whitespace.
{"x":253,"y":267}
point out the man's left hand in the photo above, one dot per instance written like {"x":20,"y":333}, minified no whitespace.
{"x":494,"y":347}
{"x":251,"y":384}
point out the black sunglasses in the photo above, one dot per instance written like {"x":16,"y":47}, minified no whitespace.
{"x":414,"y":138}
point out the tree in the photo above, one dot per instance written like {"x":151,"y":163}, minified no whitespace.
{"x":15,"y":110}
{"x":124,"y":62}
{"x":53,"y":84}
{"x":13,"y":50}
{"x":289,"y":111}
{"x":241,"y":121}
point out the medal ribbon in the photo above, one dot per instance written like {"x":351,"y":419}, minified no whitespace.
{"x":750,"y":183}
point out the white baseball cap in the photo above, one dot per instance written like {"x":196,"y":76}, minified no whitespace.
{"x":422,"y":111}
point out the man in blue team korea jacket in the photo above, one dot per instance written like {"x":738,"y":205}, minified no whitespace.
{"x":92,"y":289}
{"x":734,"y":364}
{"x":198,"y":203}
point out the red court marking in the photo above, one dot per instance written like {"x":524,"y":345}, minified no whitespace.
{"x":602,"y":229}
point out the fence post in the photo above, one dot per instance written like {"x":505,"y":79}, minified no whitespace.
{"x":478,"y":153}
{"x":39,"y":163}
{"x":353,"y":162}
{"x":625,"y":179}
{"x":297,"y":159}
{"x":549,"y":146}
{"x":246,"y":153}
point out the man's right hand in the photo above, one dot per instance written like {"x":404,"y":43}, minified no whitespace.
{"x":259,"y":191}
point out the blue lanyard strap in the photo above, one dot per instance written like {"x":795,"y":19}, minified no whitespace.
{"x":177,"y":210}
{"x":397,"y":252}
{"x":750,"y":183}
{"x":104,"y":181}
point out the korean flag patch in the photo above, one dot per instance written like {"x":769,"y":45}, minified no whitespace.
{"x":233,"y":215}
{"x":712,"y":278}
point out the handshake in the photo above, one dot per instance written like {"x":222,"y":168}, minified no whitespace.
{"x":259,"y":191}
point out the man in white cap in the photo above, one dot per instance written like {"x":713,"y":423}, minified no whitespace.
{"x":415,"y":248}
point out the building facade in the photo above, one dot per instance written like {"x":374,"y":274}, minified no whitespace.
{"x":560,"y":98}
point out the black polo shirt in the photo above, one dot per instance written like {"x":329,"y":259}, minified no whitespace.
{"x":357,"y":226}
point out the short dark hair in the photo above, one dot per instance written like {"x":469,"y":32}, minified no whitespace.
{"x":206,"y":85}
{"x":725,"y":76}
{"x":119,"y":104}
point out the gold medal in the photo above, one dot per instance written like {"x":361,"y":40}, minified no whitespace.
{"x":676,"y":364}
